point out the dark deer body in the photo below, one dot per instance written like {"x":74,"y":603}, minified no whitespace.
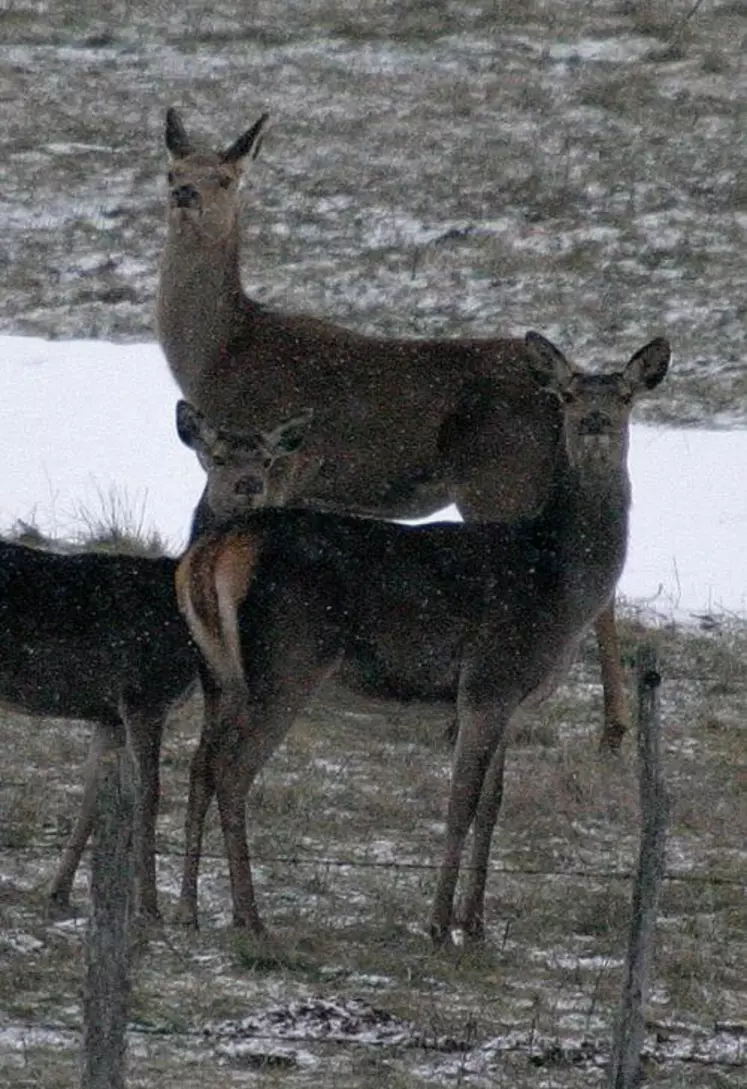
{"x":99,"y":637}
{"x":401,"y":426}
{"x":278,"y":599}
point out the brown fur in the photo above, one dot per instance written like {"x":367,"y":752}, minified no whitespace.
{"x":401,"y":426}
{"x":499,"y":608}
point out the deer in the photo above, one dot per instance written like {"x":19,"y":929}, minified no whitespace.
{"x":241,"y":466}
{"x":280,"y":598}
{"x":402,"y":427}
{"x":98,"y":636}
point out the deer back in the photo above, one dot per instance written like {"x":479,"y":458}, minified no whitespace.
{"x":77,"y":631}
{"x":401,"y":425}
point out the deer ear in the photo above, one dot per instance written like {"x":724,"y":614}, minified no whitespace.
{"x":289,"y":436}
{"x":252,"y":138}
{"x":177,"y":140}
{"x":649,"y":364}
{"x":190,"y":425}
{"x":549,"y":367}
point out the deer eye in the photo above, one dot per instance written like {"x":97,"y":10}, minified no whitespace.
{"x":567,"y":397}
{"x":170,"y":177}
{"x":224,"y":181}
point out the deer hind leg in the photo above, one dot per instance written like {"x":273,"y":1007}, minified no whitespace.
{"x":616,"y":710}
{"x":106,"y":737}
{"x":234,"y":777}
{"x":201,"y":791}
{"x":245,"y":746}
{"x":237,"y":766}
{"x":247,"y":742}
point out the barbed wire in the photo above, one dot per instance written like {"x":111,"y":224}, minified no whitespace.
{"x":423,"y":867}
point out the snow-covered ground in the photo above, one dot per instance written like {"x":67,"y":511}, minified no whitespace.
{"x":90,"y":425}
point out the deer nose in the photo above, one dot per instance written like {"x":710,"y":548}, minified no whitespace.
{"x":596,"y":423}
{"x":185,"y":196}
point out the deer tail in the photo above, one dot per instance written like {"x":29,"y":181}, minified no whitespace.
{"x":212,"y":581}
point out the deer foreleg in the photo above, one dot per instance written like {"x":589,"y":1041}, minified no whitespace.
{"x":476,"y":744}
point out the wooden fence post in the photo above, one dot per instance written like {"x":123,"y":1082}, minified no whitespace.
{"x":106,"y":994}
{"x":625,"y":1065}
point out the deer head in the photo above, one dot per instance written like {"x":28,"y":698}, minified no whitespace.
{"x":238,"y":463}
{"x":597,"y":407}
{"x":203,"y":185}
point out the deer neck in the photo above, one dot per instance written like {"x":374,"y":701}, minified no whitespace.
{"x":203,"y":519}
{"x":200,"y":305}
{"x":588,"y":515}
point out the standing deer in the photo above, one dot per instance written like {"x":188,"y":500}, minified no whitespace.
{"x":99,"y":636}
{"x":276,"y":600}
{"x":401,"y":426}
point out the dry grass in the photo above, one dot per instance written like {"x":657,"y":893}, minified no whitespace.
{"x":346,"y":831}
{"x":434,"y":168}
{"x":114,"y":525}
{"x":569,"y":143}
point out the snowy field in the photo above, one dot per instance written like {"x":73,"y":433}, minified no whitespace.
{"x":90,"y":426}
{"x":436,"y":168}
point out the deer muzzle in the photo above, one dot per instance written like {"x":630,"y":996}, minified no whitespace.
{"x":250,"y":487}
{"x":185,"y":196}
{"x":596,"y":423}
